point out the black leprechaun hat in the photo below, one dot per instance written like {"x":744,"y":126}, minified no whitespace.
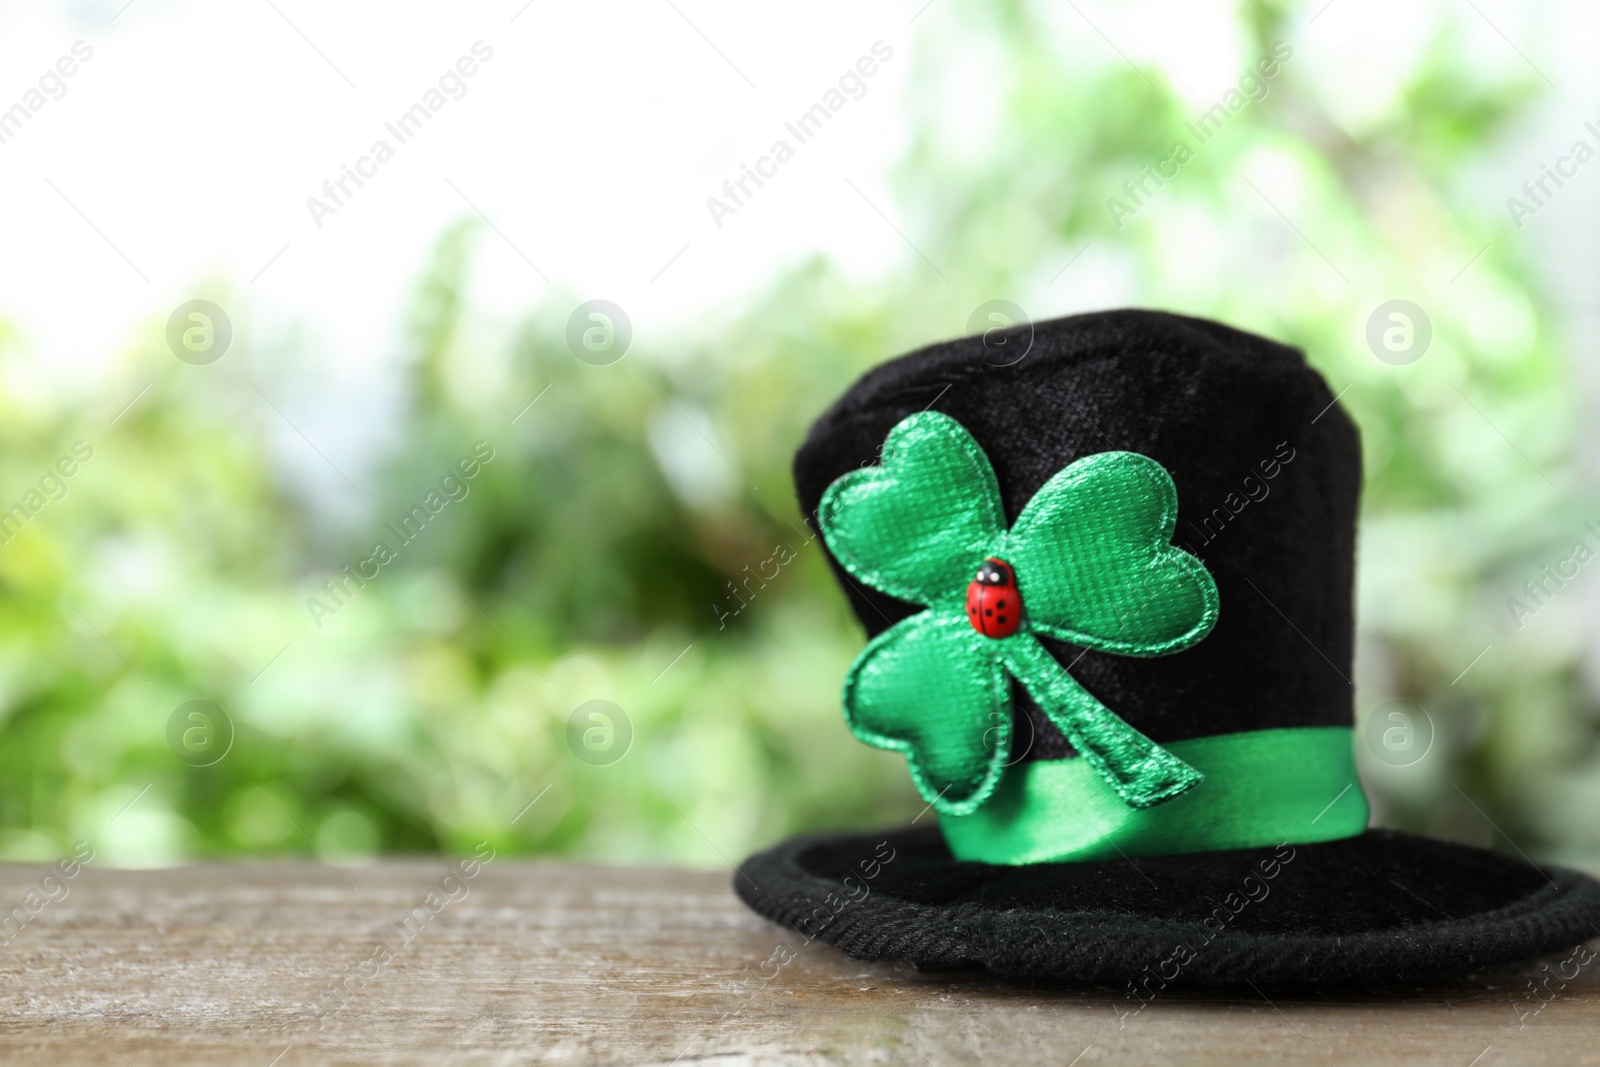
{"x":1105,"y":567}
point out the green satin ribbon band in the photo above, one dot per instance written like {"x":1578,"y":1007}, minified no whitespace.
{"x":1263,"y":787}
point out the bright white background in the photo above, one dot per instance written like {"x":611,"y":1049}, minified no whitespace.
{"x":590,"y":141}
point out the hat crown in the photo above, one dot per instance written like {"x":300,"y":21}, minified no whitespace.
{"x":1267,"y":471}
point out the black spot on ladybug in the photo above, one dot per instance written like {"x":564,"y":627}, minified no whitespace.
{"x":988,"y":611}
{"x":1002,"y":620}
{"x":1001,"y":605}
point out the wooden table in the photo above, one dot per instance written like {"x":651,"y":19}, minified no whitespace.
{"x":542,"y":963}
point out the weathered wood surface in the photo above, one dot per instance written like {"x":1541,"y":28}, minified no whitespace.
{"x":541,"y":963}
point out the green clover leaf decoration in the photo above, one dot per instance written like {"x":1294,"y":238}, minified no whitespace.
{"x":1093,"y":564}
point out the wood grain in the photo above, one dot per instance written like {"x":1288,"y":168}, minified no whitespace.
{"x":560,"y":964}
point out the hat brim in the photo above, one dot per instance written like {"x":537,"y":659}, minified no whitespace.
{"x":1380,"y":907}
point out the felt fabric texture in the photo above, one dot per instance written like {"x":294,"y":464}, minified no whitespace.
{"x":1382,"y":907}
{"x":1267,"y":470}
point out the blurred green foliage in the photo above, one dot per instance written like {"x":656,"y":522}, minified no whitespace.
{"x":597,"y":555}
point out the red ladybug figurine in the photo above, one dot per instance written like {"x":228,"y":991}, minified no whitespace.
{"x":994,"y":607}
